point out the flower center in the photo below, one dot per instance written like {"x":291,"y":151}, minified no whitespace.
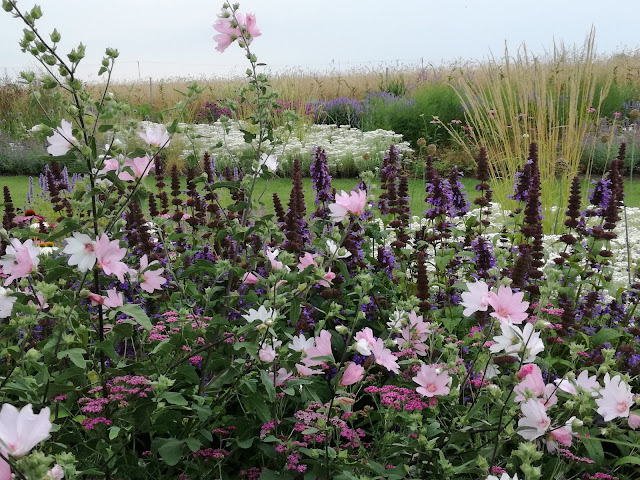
{"x":622,"y":407}
{"x":88,"y":247}
{"x":431,"y":387}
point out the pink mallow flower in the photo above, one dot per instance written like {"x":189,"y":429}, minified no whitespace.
{"x":250,"y":279}
{"x":432,"y":381}
{"x":352,"y":374}
{"x":230,"y":30}
{"x":327,"y":278}
{"x":140,"y":167}
{"x":347,"y":203}
{"x":19,"y":260}
{"x":322,"y":348}
{"x":616,"y":399}
{"x":108,"y":255}
{"x":307,"y":260}
{"x":562,"y":436}
{"x":62,"y":139}
{"x":509,"y":307}
{"x":82,"y":251}
{"x":634,"y":420}
{"x":155,"y":136}
{"x":151,"y":279}
{"x":22,"y":430}
{"x":535,"y":421}
{"x":476,"y":299}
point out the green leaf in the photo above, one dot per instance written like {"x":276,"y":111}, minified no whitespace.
{"x":268,"y":385}
{"x":107,"y":347}
{"x":105,"y":128}
{"x":193,"y":444}
{"x":174,"y":398}
{"x":75,"y":355}
{"x":594,"y":448}
{"x":603,"y":336}
{"x":294,"y":313}
{"x":113,"y":432}
{"x":627,"y":461}
{"x":171,"y":129}
{"x":171,"y":451}
{"x":136,"y":312}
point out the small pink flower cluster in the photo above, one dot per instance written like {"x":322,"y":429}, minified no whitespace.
{"x":120,"y":391}
{"x":253,"y":473}
{"x":211,"y":454}
{"x":567,"y":454}
{"x":398,"y":398}
{"x":91,"y":423}
{"x":173,"y":325}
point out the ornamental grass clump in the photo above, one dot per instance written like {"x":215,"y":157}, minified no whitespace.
{"x":523,"y":100}
{"x":204,"y":338}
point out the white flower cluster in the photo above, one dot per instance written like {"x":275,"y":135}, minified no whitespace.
{"x":341,"y":144}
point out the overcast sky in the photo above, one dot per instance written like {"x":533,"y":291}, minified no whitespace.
{"x":171,"y":38}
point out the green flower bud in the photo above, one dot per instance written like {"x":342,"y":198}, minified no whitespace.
{"x":55,"y":36}
{"x":33,"y":355}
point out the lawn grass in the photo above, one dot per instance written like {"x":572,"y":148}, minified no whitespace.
{"x":264,"y":190}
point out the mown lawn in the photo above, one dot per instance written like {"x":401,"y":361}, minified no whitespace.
{"x":19,"y":186}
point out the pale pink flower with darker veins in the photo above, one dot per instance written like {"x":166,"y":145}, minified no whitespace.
{"x":140,"y":166}
{"x":352,"y":374}
{"x":414,"y":335}
{"x":384,"y":357}
{"x":20,"y":260}
{"x":616,"y":399}
{"x":508,"y":306}
{"x":432,"y":381}
{"x":249,"y":279}
{"x":562,"y":436}
{"x":155,"y":136}
{"x":278,"y":378}
{"x":535,"y":421}
{"x":348,"y":203}
{"x":108,"y":256}
{"x":307,"y":260}
{"x":267,"y":354}
{"x":62,"y":139}
{"x":272,"y":255}
{"x":151,"y":279}
{"x":82,"y":251}
{"x":21,"y":430}
{"x":476,"y":299}
{"x":113,"y":299}
{"x":364,"y":341}
{"x":322,"y":348}
{"x":56,"y":473}
{"x":634,"y":420}
{"x":327,"y":278}
{"x":228,"y":33}
{"x":531,"y":385}
{"x":582,"y":381}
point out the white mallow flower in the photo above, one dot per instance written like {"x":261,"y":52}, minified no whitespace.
{"x":266,"y":317}
{"x":301,"y":344}
{"x":338,"y":252}
{"x":363,"y":347}
{"x":397,"y":320}
{"x":82,"y":251}
{"x":505,"y":476}
{"x":616,"y":399}
{"x":6,"y":302}
{"x":269,"y":161}
{"x":513,"y":340}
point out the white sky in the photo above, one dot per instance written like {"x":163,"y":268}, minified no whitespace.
{"x":171,"y":38}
